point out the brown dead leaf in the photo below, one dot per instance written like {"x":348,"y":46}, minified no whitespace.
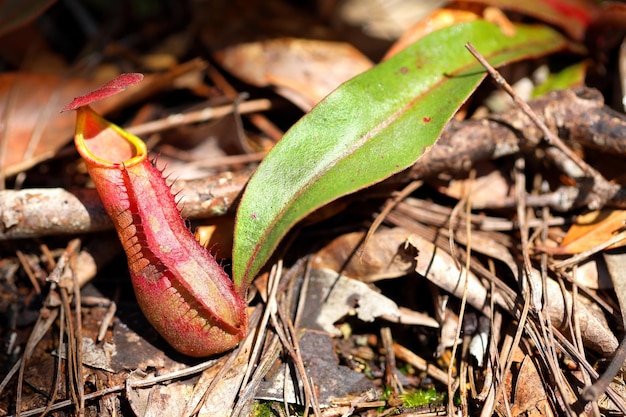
{"x":304,"y":71}
{"x":530,"y":396}
{"x":385,"y":19}
{"x":616,"y":266}
{"x":334,"y":296}
{"x":222,"y":392}
{"x":526,"y":391}
{"x":383,"y":257}
{"x":30,"y":105}
{"x":593,"y":273}
{"x":593,"y":229}
{"x":149,"y":397}
{"x":156,"y":400}
{"x":342,"y":297}
{"x":490,"y":184}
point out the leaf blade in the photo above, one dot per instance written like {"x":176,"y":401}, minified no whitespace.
{"x":371,"y":127}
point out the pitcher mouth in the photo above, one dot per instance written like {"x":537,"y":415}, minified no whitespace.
{"x":105,"y":144}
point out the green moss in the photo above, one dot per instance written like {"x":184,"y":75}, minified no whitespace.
{"x":262,"y":409}
{"x":421,"y":398}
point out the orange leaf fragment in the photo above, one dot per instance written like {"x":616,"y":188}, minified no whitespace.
{"x":593,"y":229}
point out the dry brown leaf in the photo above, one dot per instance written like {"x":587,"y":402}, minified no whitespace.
{"x":156,"y":400}
{"x":593,"y":229}
{"x":333,"y":297}
{"x":530,"y":396}
{"x":383,"y":257}
{"x":592,"y":273}
{"x":343,"y":297}
{"x":385,"y":19}
{"x":616,"y":266}
{"x":490,"y":244}
{"x":489,"y":186}
{"x":30,"y":105}
{"x":302,"y":70}
{"x":222,"y":396}
{"x":526,"y":390}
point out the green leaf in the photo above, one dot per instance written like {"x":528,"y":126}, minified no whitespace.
{"x":371,"y":127}
{"x":569,"y":77}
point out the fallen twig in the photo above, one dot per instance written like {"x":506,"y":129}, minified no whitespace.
{"x":46,"y":212}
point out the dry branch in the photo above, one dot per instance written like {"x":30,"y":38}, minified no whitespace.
{"x":54,"y":211}
{"x":578,"y":116}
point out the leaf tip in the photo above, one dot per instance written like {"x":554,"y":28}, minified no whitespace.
{"x":119,"y":83}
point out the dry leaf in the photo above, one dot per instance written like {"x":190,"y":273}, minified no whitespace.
{"x":95,"y":355}
{"x":526,"y":390}
{"x":304,"y":71}
{"x":385,"y":19}
{"x":592,"y":273}
{"x":616,"y":266}
{"x":31,"y":103}
{"x":342,"y":297}
{"x":530,"y":396}
{"x":489,"y":186}
{"x":593,"y":229}
{"x":156,"y":400}
{"x":383,"y":257}
{"x":220,"y":401}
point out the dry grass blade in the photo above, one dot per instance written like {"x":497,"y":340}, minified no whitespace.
{"x":224,"y":379}
{"x":266,"y":349}
{"x":390,"y":205}
{"x":579,"y":344}
{"x":287,"y":334}
{"x":29,"y":272}
{"x":203,"y":115}
{"x":464,"y":203}
{"x":268,"y":340}
{"x":391,"y":377}
{"x":56,"y":304}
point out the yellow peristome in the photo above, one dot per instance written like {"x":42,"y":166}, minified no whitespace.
{"x":111,"y":150}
